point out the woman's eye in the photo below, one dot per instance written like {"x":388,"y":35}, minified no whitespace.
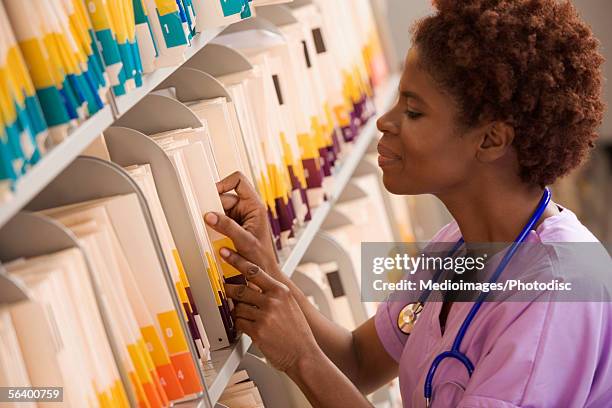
{"x":413,"y":114}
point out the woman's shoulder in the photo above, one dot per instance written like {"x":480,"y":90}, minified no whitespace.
{"x":564,"y":227}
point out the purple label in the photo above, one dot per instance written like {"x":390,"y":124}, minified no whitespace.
{"x":325,"y":163}
{"x":285,"y":221}
{"x":315,"y":174}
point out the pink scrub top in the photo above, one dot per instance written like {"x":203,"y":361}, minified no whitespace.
{"x":527,"y":354}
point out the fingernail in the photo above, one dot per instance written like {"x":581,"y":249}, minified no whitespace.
{"x":224,"y":252}
{"x":211,"y":218}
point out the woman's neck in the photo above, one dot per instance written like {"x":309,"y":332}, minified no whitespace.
{"x":492,"y":212}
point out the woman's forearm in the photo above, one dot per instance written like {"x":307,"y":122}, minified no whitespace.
{"x":335,"y":341}
{"x":324,"y":384}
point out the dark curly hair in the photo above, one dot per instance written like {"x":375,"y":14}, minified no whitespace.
{"x":533,"y":64}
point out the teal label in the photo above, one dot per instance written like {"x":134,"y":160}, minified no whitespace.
{"x":110,"y":50}
{"x":231,"y":7}
{"x":172,"y":28}
{"x":52,"y":105}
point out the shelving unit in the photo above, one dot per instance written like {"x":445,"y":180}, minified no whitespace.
{"x":60,"y":156}
{"x":224,"y":361}
{"x":227,"y":360}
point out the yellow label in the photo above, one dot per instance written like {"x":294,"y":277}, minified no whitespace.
{"x":38,"y":66}
{"x":57,"y":68}
{"x":7,"y":108}
{"x":342,"y":115}
{"x":228,"y":270}
{"x":119,"y":397}
{"x":166,"y":6}
{"x":139,"y":364}
{"x":99,"y":15}
{"x":317,"y":131}
{"x":148,"y":360}
{"x":104,"y":400}
{"x":172,"y":332}
{"x":182,"y":294}
{"x":66,"y":54}
{"x":213,"y":277}
{"x":309,"y":150}
{"x":77,"y":34}
{"x":19,"y":73}
{"x":350,"y":90}
{"x":116,"y":12}
{"x":287,"y":153}
{"x":183,"y":282}
{"x":268,"y":195}
{"x":330,"y":122}
{"x":180,"y":267}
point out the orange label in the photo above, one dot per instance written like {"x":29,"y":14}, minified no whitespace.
{"x":150,"y":392}
{"x":170,"y":382}
{"x":151,"y":369}
{"x":139,"y":394}
{"x":186,"y":373}
{"x":148,"y":389}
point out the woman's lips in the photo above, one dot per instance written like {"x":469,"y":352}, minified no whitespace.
{"x":386,"y":156}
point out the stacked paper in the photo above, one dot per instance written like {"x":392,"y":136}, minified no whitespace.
{"x":241,"y":392}
{"x":154,"y":348}
{"x":59,"y":333}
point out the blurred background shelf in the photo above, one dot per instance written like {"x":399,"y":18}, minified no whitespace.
{"x":292,"y":256}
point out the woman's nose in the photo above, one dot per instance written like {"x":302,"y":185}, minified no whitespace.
{"x":387,"y":123}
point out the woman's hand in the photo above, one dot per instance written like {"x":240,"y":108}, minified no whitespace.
{"x":268,"y":313}
{"x":245,"y":222}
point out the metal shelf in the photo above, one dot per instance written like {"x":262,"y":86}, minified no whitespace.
{"x":60,"y":156}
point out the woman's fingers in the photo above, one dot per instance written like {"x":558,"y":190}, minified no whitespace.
{"x":246,"y":311}
{"x":252,"y":272}
{"x":242,"y":293}
{"x":230,"y":228}
{"x":229,"y":201}
{"x":246,"y":326}
{"x":239,"y":183}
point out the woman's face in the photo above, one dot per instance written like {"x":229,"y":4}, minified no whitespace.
{"x":422,"y":149}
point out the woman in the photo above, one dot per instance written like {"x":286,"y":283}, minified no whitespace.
{"x":498,"y":98}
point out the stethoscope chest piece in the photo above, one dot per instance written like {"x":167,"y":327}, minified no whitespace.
{"x":407,"y":317}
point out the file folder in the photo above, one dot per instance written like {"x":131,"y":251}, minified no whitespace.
{"x":143,"y":176}
{"x":219,"y":13}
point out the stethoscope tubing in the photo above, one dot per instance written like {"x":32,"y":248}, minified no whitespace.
{"x":454,"y":352}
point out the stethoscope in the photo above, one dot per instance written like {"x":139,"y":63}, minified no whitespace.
{"x":408,"y":315}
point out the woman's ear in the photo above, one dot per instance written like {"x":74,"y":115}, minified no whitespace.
{"x":496,"y":140}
